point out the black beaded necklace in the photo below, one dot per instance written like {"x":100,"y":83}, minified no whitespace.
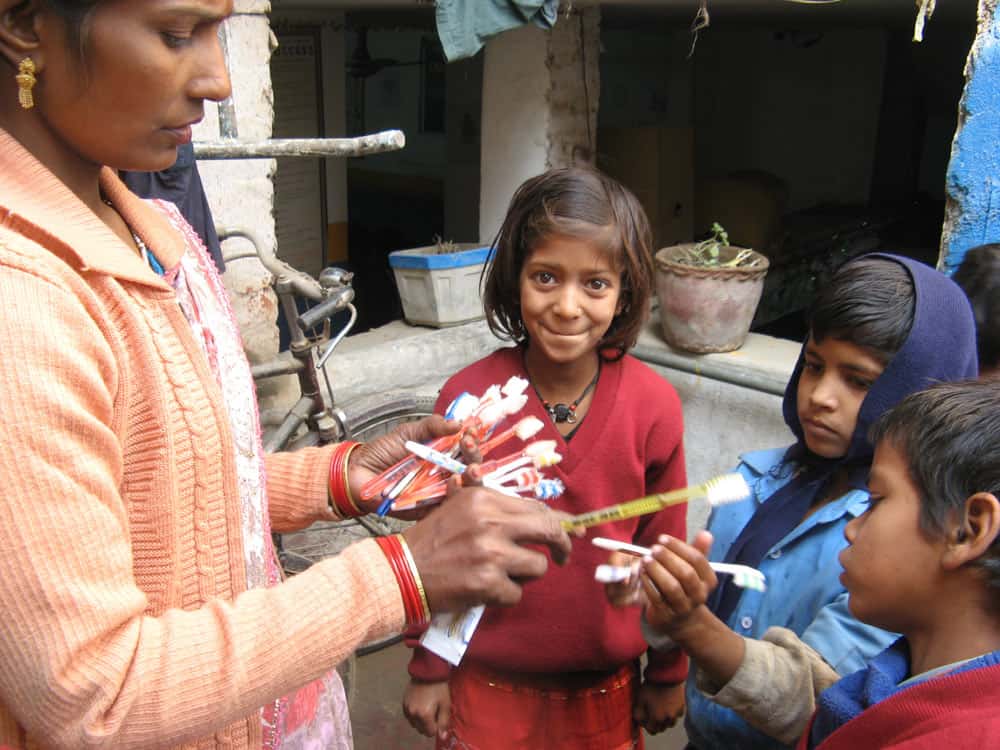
{"x":567,"y":412}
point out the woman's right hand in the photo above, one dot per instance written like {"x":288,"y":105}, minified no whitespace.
{"x":470,"y":551}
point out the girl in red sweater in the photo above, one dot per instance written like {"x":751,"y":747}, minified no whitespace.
{"x":570,"y":284}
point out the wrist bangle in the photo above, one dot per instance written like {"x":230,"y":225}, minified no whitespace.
{"x":341,"y":502}
{"x":407,"y":577}
{"x":425,"y":608}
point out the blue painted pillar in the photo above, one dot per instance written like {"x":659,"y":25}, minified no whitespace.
{"x":972,"y":215}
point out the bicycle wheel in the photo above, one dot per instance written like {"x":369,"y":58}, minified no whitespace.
{"x":363,"y":420}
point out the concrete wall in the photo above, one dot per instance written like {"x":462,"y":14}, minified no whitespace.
{"x":540,"y":97}
{"x":240,"y":193}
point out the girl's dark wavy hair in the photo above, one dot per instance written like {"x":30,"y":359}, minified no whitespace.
{"x":949,"y":435}
{"x":581,"y":203}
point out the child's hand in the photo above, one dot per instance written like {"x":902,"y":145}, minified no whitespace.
{"x":625,"y":593}
{"x":427,"y":706}
{"x":658,"y":706}
{"x":677,"y":581}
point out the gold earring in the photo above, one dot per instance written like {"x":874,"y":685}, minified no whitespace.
{"x":26,"y":82}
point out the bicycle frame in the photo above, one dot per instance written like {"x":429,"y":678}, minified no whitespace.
{"x":332,"y":293}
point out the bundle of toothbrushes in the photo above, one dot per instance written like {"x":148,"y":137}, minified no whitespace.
{"x":422,"y":477}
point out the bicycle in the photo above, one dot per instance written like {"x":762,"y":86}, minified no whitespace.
{"x":315,"y":418}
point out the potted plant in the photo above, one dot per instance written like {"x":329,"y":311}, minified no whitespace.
{"x":708,"y":292}
{"x":439,"y":284}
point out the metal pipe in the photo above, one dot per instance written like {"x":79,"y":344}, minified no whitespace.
{"x":275,"y":367}
{"x":297,"y":415}
{"x":713,"y":370}
{"x":364,"y":145}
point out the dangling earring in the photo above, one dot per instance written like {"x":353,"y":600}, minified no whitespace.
{"x":26,"y":82}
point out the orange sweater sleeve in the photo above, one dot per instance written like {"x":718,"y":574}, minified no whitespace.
{"x":84,"y":664}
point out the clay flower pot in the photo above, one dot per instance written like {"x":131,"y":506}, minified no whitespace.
{"x":707,"y":308}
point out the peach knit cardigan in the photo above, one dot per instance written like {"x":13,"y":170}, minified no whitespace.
{"x":125,"y":619}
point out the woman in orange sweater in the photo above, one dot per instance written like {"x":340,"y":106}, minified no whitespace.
{"x":142,"y":605}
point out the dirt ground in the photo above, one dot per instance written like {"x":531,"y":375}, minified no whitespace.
{"x":377,"y":717}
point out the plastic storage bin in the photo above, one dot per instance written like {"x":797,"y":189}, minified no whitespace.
{"x":440,"y":289}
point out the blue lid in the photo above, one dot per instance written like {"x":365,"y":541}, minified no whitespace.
{"x":427,"y":257}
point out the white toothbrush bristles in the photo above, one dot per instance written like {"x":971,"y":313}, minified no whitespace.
{"x":528,"y":427}
{"x":728,"y":488}
{"x":514,"y":386}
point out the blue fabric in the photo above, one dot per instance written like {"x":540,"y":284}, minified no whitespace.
{"x":804,"y":593}
{"x":940,"y":324}
{"x":881,"y":679}
{"x":464,"y":25}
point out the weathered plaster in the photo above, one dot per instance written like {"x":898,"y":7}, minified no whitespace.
{"x":240,"y":192}
{"x":972,"y":214}
{"x":574,"y":87}
{"x":541,"y":91}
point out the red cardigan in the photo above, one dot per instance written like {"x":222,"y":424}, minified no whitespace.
{"x":629,"y":445}
{"x":955,"y":712}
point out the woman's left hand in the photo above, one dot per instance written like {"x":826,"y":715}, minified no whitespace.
{"x":371,"y":459}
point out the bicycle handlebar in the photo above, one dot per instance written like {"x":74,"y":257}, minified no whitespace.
{"x":303,"y":284}
{"x":336,"y":302}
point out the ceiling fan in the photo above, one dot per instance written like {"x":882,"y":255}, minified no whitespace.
{"x":362,"y":64}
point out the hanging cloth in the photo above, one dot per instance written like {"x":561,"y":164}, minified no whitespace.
{"x":464,"y":25}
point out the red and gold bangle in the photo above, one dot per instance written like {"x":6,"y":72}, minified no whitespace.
{"x":425,"y":608}
{"x":339,"y":487}
{"x":410,"y":586}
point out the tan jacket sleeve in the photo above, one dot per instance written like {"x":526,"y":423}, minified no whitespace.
{"x":776,"y":685}
{"x":297,"y":488}
{"x":83,"y":663}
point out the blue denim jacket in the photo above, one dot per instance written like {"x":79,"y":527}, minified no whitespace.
{"x":804,"y":594}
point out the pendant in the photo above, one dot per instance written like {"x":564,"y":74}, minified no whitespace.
{"x":562,"y":413}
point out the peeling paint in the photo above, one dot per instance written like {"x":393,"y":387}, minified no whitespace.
{"x":972,"y":213}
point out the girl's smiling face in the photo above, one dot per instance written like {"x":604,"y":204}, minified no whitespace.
{"x":570,"y":293}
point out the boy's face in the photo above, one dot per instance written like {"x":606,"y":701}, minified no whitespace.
{"x":836,"y":377}
{"x":892,"y":567}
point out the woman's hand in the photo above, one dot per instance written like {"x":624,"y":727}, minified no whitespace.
{"x":371,"y":459}
{"x":470,"y":549}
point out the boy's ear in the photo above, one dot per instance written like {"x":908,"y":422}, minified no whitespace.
{"x":977,"y":527}
{"x":19,"y":36}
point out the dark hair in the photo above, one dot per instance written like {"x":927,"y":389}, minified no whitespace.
{"x":868,"y":302}
{"x":949,"y":435}
{"x":75,"y":14}
{"x":578,"y":202}
{"x":979,"y":277}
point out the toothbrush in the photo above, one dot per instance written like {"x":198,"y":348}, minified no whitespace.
{"x":725,"y":488}
{"x":540,"y":454}
{"x":480,"y":419}
{"x":525,"y":429}
{"x":743,"y":575}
